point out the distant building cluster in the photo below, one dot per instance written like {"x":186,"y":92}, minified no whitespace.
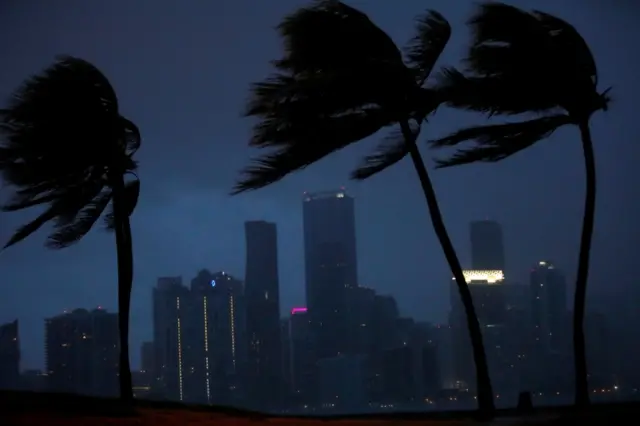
{"x":221,"y":340}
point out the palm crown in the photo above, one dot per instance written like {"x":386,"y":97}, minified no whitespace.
{"x":63,"y":139}
{"x":519,"y":62}
{"x":341,"y":80}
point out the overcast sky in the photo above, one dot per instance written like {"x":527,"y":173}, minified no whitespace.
{"x":182,"y":70}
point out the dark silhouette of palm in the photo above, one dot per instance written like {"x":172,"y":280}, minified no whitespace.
{"x":66,"y":148}
{"x":529,"y":63}
{"x":341,"y":80}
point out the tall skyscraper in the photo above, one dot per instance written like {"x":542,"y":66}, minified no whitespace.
{"x":9,"y":356}
{"x":487,"y":290}
{"x":198,"y":338}
{"x":330,"y":267}
{"x":548,"y":292}
{"x":302,"y":372}
{"x":170,"y":316}
{"x":82,"y":352}
{"x":491,"y":299}
{"x":487,"y":247}
{"x":215,"y":351}
{"x":262,"y":296}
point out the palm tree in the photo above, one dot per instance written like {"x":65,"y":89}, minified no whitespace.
{"x":537,"y":64}
{"x":67,"y":148}
{"x":341,"y":80}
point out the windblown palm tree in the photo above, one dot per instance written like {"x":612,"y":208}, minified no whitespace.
{"x":66,"y":147}
{"x":537,"y":64}
{"x":341,"y":80}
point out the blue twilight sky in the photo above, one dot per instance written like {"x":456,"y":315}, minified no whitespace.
{"x":182,"y":69}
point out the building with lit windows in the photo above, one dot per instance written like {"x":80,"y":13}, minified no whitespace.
{"x":491,"y":296}
{"x":171,"y":306}
{"x":82,"y":352}
{"x":216,"y":351}
{"x":199,"y":338}
{"x":549,"y":314}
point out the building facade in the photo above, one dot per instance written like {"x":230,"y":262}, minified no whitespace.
{"x":82,"y":352}
{"x":9,"y":356}
{"x":330,"y":267}
{"x":262,"y":295}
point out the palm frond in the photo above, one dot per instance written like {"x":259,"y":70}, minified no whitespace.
{"x":20,"y":202}
{"x":132,"y":138}
{"x":31,"y":227}
{"x":392,"y":149}
{"x":305,"y":143}
{"x":316,"y":95}
{"x":534,"y":56}
{"x":71,"y":232}
{"x":57,"y":127}
{"x":569,"y":46}
{"x":71,"y":103}
{"x":425,"y":47}
{"x":497,"y":142}
{"x":330,"y":35}
{"x":491,"y":94}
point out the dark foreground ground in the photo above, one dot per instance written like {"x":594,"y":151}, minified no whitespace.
{"x":27,"y":408}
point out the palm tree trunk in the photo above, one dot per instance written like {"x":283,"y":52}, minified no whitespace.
{"x":484,"y":390}
{"x":580,"y":295}
{"x":125,"y":279}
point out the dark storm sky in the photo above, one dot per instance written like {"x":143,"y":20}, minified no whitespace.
{"x":182,"y":70}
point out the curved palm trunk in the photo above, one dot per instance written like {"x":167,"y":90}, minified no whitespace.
{"x":580,"y":295}
{"x":125,"y":280}
{"x":484,"y":390}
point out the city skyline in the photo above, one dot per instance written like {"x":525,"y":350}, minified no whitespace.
{"x":222,"y":340}
{"x":176,"y":282}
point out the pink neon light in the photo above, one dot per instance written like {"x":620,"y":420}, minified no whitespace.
{"x":298,"y":311}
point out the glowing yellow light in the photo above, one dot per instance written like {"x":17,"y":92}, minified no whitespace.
{"x":488,"y":276}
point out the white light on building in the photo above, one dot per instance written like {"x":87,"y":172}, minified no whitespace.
{"x":486,"y":276}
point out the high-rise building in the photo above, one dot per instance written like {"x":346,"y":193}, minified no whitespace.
{"x":171,"y":306}
{"x":487,"y":247}
{"x":548,"y":292}
{"x":82,"y":352}
{"x":198,"y":338}
{"x":9,"y":356}
{"x":262,"y":296}
{"x":486,"y":289}
{"x":330,"y":267}
{"x":302,"y":368}
{"x":216,"y":352}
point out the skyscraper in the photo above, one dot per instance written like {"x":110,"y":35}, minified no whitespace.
{"x":302,"y":372}
{"x":170,"y":317}
{"x":486,"y":281}
{"x":82,"y":352}
{"x":9,"y":356}
{"x":214,"y":342}
{"x":548,"y":292}
{"x":330,"y":267}
{"x":262,"y":296}
{"x":487,"y":247}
